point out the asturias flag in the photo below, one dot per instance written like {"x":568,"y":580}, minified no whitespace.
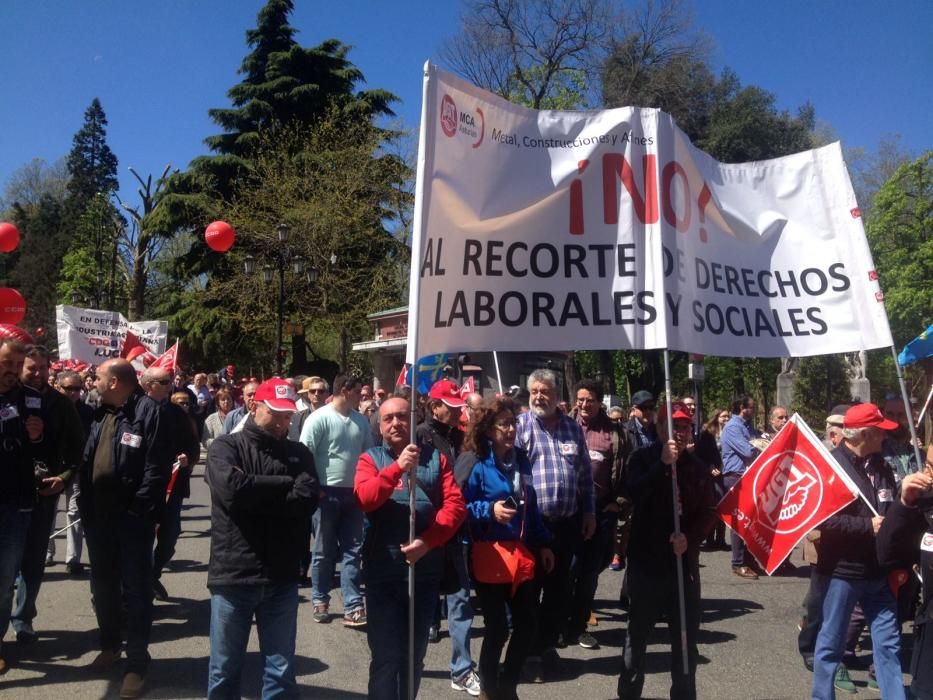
{"x":792,"y":487}
{"x":917,"y":349}
{"x":430,"y":369}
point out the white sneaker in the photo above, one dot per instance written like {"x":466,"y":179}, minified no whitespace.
{"x":469,"y":683}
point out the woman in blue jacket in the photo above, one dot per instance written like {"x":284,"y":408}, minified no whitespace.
{"x":508,"y":540}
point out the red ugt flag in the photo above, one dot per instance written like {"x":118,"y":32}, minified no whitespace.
{"x":167,"y":361}
{"x":792,"y":487}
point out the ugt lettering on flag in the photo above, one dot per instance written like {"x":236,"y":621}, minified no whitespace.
{"x":792,"y":487}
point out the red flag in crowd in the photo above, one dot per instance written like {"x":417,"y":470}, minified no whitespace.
{"x":469,"y":387}
{"x":402,"y":376}
{"x":132,"y":347}
{"x":167,"y":360}
{"x":792,"y":487}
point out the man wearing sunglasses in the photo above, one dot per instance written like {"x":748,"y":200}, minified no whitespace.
{"x":71,"y":385}
{"x":157,"y":383}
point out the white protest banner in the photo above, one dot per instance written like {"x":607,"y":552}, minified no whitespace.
{"x":538,"y":230}
{"x":94,"y":336}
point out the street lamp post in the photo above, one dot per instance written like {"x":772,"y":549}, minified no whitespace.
{"x":281,"y":259}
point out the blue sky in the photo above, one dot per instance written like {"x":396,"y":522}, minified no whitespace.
{"x":158,"y":67}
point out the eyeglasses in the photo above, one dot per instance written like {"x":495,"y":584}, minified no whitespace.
{"x":506,"y":424}
{"x":315,"y":391}
{"x":163,"y":382}
{"x":586,"y":400}
{"x":72,"y":388}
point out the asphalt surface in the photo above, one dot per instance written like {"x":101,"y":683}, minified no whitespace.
{"x":747,"y":639}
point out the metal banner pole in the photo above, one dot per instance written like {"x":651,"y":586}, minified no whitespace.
{"x":926,"y":405}
{"x":495,"y":358}
{"x":681,"y":599}
{"x":914,"y":442}
{"x":417,"y":236}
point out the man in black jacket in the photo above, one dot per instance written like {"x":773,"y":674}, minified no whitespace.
{"x":264,"y":488}
{"x":127,"y":461}
{"x":157,"y":383}
{"x":21,"y":443}
{"x":654,"y":547}
{"x":906,"y":540}
{"x":442,"y":432}
{"x":65,"y":439}
{"x":848,"y":571}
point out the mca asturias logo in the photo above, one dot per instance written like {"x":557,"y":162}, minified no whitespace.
{"x":453,"y":121}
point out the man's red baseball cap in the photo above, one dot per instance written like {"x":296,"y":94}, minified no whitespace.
{"x":277,"y":394}
{"x":867,"y":415}
{"x":678,"y":411}
{"x":447,"y":391}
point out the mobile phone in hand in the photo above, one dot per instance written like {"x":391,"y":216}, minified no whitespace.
{"x":510,"y":502}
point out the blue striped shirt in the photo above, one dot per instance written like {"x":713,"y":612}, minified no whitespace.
{"x":560,"y":465}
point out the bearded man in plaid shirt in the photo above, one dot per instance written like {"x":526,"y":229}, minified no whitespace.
{"x":563,"y":480}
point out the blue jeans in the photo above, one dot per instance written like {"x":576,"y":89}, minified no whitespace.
{"x":14,"y":524}
{"x":32,"y":567}
{"x":387,"y":634}
{"x":120,"y":548}
{"x":880,"y":612}
{"x":232,"y":609}
{"x":167,"y":536}
{"x":460,"y":617}
{"x":338,"y":522}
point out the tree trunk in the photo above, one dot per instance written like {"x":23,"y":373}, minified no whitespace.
{"x":137,"y":308}
{"x":605,"y":366}
{"x":570,"y":372}
{"x":344,"y":349}
{"x":299,"y":354}
{"x":738,"y":379}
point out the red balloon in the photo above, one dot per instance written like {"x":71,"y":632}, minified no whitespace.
{"x":219,"y":236}
{"x":12,"y":306}
{"x":8,"y":330}
{"x":9,"y":237}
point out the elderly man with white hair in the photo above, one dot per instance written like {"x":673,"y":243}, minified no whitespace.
{"x":848,"y":570}
{"x":563,"y":480}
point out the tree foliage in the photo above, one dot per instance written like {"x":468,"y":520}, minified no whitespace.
{"x":287,"y":91}
{"x":33,"y":267}
{"x":90,"y":269}
{"x":540,"y":53}
{"x":31,"y":182}
{"x":900,"y":234}
{"x":337,"y":188}
{"x":283,"y":84}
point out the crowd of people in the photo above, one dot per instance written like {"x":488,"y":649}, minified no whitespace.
{"x":520,"y":498}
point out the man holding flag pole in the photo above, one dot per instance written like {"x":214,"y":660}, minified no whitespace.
{"x":674,"y":509}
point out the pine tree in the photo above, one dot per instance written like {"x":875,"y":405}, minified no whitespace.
{"x":285,"y":88}
{"x":91,"y":164}
{"x":95,"y":221}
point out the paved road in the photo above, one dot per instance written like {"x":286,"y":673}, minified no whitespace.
{"x":747,"y":640}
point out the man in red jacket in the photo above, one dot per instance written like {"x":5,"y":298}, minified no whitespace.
{"x":381,"y":487}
